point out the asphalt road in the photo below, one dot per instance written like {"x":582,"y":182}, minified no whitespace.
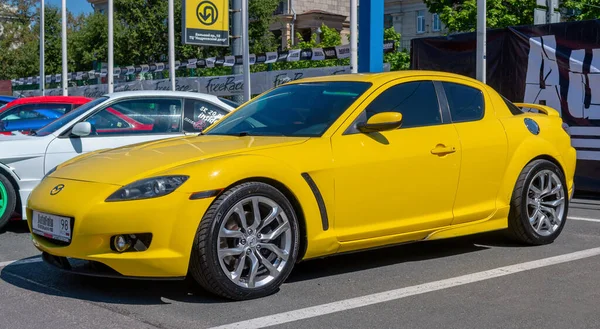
{"x":473,"y":282}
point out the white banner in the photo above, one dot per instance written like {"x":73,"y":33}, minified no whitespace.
{"x":228,"y":85}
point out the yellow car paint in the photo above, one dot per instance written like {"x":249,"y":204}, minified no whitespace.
{"x":378,"y":189}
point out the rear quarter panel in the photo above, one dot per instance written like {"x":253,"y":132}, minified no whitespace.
{"x":523,"y":147}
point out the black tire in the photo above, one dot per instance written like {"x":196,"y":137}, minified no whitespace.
{"x":12,"y":201}
{"x":205,"y":265}
{"x":519,"y":227}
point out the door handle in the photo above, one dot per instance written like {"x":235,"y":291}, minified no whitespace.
{"x":443,"y":150}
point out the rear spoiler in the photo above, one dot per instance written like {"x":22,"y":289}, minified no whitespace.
{"x":542,"y":108}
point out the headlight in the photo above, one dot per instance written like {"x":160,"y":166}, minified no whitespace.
{"x":148,"y":188}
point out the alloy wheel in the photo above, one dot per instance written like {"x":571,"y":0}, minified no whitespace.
{"x":255,"y":242}
{"x":545,"y":202}
{"x":3,"y":199}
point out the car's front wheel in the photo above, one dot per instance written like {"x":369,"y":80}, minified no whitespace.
{"x":8,"y":200}
{"x":539,"y":204}
{"x":247,"y":242}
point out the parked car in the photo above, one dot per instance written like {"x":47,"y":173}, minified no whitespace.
{"x":32,"y":113}
{"x":311,"y":168}
{"x":106,"y":122}
{"x":5,"y":100}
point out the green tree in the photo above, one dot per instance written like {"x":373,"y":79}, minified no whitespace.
{"x":260,"y":14}
{"x":20,"y":39}
{"x":584,"y":9}
{"x":461,"y":15}
{"x":398,"y":60}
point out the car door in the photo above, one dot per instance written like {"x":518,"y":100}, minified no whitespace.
{"x":396,"y":181}
{"x":484,"y":149}
{"x":199,"y":114}
{"x":121,"y":123}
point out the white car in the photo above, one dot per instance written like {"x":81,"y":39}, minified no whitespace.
{"x":109,"y":121}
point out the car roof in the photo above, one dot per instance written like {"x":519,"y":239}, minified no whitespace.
{"x":7,"y":98}
{"x":49,"y":99}
{"x":382,"y":77}
{"x":161,"y":93}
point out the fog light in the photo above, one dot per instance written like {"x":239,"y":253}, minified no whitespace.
{"x":121,"y":243}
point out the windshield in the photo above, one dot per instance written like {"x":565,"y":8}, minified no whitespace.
{"x":297,"y":110}
{"x":60,"y":122}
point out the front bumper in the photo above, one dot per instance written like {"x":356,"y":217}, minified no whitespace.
{"x":172,"y":220}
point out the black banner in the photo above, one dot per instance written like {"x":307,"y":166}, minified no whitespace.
{"x":554,"y":64}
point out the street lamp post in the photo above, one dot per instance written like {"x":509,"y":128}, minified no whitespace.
{"x":246,"y":51}
{"x":481,"y":40}
{"x":42,"y":48}
{"x":172,"y":44}
{"x":111,"y":64}
{"x":65,"y":81}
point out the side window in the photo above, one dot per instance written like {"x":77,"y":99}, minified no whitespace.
{"x":416,"y":101}
{"x":200,"y":114}
{"x":35,"y":112}
{"x":466,"y":103}
{"x":23,"y":112}
{"x":143,"y":116}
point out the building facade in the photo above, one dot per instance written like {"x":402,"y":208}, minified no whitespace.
{"x":100,"y":6}
{"x":305,"y":17}
{"x":412,"y":20}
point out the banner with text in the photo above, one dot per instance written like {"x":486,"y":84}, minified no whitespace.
{"x":228,"y":85}
{"x":553,"y":64}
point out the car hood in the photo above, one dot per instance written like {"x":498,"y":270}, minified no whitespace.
{"x":127,"y":164}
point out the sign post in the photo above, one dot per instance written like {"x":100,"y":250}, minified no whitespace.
{"x":206,"y":22}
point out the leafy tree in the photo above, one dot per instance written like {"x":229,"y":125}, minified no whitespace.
{"x":398,"y":60}
{"x":260,"y":15}
{"x":461,"y":15}
{"x":20,"y":39}
{"x":584,"y":9}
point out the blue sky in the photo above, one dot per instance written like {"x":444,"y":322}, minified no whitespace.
{"x":74,"y":6}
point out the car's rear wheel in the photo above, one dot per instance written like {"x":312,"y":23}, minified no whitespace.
{"x":539,"y":204}
{"x":247,"y":242}
{"x":8,"y":200}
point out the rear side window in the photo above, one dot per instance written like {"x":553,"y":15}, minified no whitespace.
{"x":200,"y":114}
{"x":466,"y":103}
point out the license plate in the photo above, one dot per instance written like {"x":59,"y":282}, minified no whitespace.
{"x":51,"y":226}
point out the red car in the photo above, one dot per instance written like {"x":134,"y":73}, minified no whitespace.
{"x":32,"y":113}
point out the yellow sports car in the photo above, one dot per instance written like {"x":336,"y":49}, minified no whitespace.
{"x":312,"y":168}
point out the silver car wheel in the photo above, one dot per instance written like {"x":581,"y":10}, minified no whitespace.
{"x":255,"y":241}
{"x":545,"y":202}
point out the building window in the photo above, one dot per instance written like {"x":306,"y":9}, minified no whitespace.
{"x":437,"y":25}
{"x":420,"y":21}
{"x":388,"y":21}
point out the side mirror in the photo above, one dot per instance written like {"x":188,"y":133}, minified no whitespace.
{"x":381,"y":122}
{"x":82,"y":129}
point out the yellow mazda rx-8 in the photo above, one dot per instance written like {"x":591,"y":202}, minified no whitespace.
{"x":312,"y":168}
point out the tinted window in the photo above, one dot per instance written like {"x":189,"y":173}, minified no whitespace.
{"x":417,"y":101}
{"x":200,"y":114}
{"x":140,"y":116}
{"x":229,"y":102}
{"x":466,"y":103}
{"x":57,"y":124}
{"x":304,"y":109}
{"x":35,"y":111}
